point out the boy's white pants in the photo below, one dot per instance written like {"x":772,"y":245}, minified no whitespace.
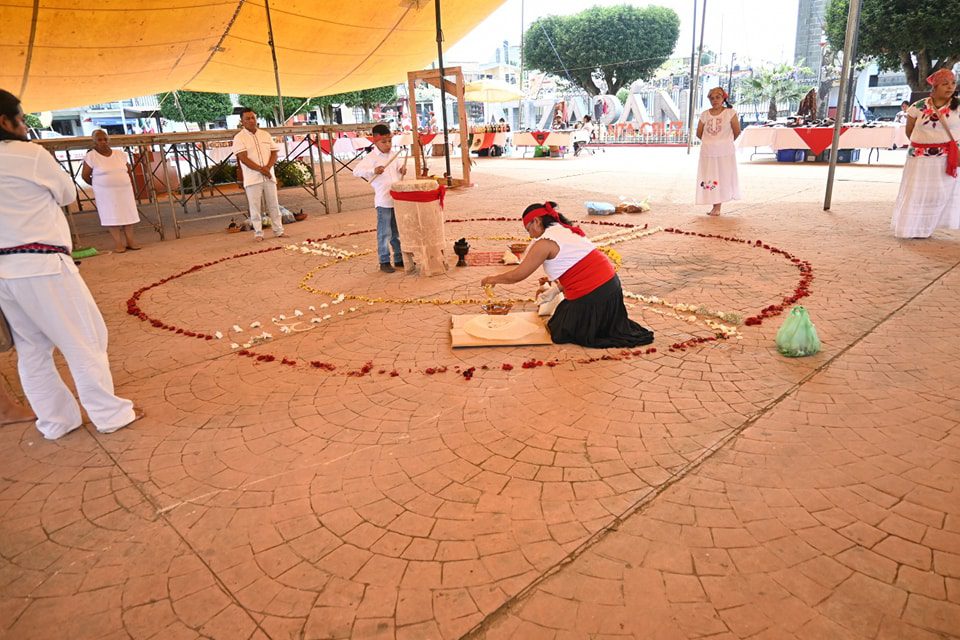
{"x":264,"y":190}
{"x":58,"y":311}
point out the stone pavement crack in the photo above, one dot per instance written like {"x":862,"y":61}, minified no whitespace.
{"x":479,"y":630}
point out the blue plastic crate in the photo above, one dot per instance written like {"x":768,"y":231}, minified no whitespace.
{"x":791,"y":155}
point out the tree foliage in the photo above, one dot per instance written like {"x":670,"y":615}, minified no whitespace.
{"x":266,"y":106}
{"x":602,"y":48}
{"x":920,"y":36}
{"x":773,"y":85}
{"x":198,"y":107}
{"x":33,"y":121}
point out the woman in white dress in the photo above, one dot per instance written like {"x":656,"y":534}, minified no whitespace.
{"x":929,"y":190}
{"x":717,"y":172}
{"x":107,"y":171}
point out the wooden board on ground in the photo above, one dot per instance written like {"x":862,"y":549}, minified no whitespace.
{"x":460,"y":338}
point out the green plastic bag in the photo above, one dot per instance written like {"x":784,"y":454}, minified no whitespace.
{"x":798,"y":337}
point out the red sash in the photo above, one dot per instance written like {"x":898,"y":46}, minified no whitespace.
{"x":593,"y":270}
{"x":420,"y":196}
{"x":949,"y":147}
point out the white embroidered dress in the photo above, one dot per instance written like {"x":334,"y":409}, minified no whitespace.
{"x":717,"y":172}
{"x":929,"y":198}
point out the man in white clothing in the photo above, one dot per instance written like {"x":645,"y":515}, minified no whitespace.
{"x":42,"y":295}
{"x":256,"y":153}
{"x":381,"y":169}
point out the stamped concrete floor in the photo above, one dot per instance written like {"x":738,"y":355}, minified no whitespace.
{"x":356,"y":477}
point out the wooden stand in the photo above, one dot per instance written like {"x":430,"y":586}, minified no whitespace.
{"x":454,"y":89}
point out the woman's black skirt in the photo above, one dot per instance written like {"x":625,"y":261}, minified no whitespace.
{"x":598,"y":319}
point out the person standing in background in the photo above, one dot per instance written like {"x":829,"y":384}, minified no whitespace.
{"x":107,"y":171}
{"x":256,"y":154}
{"x":717,"y":180}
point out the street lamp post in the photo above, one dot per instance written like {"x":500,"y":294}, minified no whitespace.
{"x":733,"y":58}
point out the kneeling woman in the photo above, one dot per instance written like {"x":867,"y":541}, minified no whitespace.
{"x":592,"y":313}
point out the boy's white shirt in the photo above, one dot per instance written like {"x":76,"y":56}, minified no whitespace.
{"x":381,"y":183}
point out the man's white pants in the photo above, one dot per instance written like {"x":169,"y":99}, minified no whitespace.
{"x":255,"y":193}
{"x":58,"y":311}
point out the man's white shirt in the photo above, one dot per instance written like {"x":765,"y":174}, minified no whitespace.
{"x":34,"y":187}
{"x":258,"y":146}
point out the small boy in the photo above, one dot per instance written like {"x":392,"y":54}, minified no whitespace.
{"x":378,"y":168}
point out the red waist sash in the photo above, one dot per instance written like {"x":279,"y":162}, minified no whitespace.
{"x":593,"y":270}
{"x":420,"y":196}
{"x":949,"y":147}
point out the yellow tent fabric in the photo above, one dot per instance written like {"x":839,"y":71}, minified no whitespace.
{"x":67,"y":53}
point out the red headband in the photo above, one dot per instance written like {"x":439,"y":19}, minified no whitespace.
{"x":548,"y":211}
{"x":937,"y":77}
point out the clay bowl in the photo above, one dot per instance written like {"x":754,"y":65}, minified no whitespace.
{"x":519,"y":248}
{"x":497,"y":308}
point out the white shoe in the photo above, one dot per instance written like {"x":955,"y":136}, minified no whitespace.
{"x":59,"y":432}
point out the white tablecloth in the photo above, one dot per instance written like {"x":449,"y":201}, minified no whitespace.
{"x":553,"y":139}
{"x":853,"y":138}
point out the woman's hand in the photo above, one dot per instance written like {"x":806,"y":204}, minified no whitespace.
{"x":488,"y":281}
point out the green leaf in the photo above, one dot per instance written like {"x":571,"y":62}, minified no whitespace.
{"x":615,"y":45}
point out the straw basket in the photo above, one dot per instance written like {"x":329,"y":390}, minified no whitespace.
{"x":421,"y":225}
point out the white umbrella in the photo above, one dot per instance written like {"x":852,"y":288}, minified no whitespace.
{"x":491,"y":91}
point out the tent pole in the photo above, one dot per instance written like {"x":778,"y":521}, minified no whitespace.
{"x":443,"y":95}
{"x":276,"y":75}
{"x":695,"y":87}
{"x":693,"y":56}
{"x":849,"y":45}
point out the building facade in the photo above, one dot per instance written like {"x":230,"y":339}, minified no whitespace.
{"x":808,"y":48}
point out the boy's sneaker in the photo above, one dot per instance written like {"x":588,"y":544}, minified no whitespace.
{"x":398,"y":264}
{"x":386,"y":268}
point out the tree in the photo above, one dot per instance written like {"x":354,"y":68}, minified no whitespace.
{"x":602,"y":48}
{"x":919,"y":36}
{"x":267,"y":107}
{"x":33,"y":121}
{"x":367,"y":99}
{"x":779,"y":84}
{"x":198,"y":107}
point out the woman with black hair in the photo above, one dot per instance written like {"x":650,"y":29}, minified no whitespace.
{"x":929,"y":195}
{"x":42,"y":295}
{"x":592,"y":313}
